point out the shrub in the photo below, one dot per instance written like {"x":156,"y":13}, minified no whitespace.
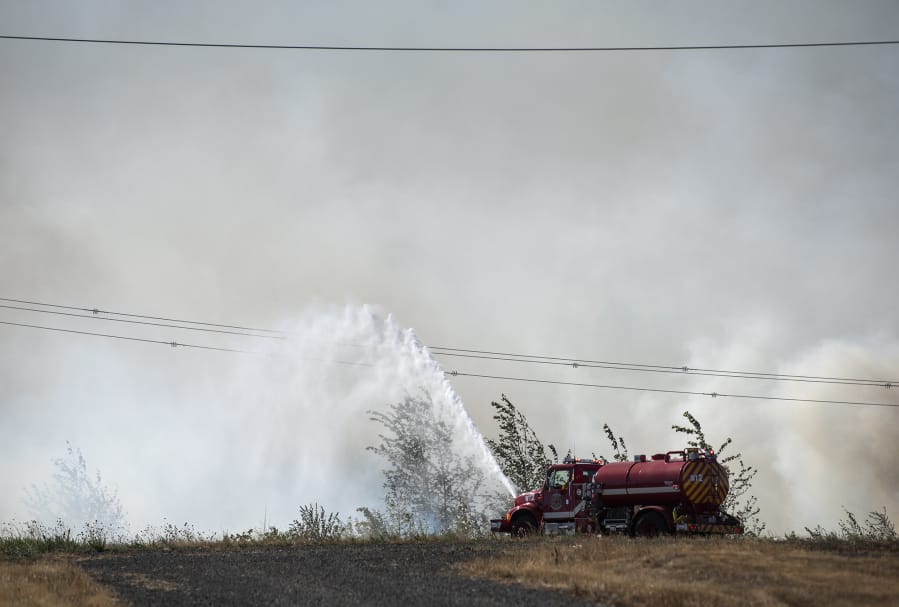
{"x":314,"y":525}
{"x":877,"y":528}
{"x":94,"y":535}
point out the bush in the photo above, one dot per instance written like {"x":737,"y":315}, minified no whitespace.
{"x":877,"y":529}
{"x":314,"y":525}
{"x":94,"y":535}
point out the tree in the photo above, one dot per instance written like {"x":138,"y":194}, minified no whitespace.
{"x":740,"y":475}
{"x":617,"y":443}
{"x":429,"y":488}
{"x":520,"y":454}
{"x":77,"y":498}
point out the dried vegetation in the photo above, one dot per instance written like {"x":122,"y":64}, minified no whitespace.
{"x":49,"y":583}
{"x":699,"y":571}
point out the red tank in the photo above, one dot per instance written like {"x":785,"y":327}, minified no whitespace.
{"x":666,"y":478}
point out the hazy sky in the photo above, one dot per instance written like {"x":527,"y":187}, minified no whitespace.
{"x":729,"y":209}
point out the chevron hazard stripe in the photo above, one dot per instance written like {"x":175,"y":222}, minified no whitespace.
{"x":704,"y":482}
{"x":696,"y":528}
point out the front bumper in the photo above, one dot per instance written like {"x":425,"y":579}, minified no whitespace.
{"x":500,"y":525}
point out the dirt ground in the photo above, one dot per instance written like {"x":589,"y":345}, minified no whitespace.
{"x":351,"y":574}
{"x":617,"y":571}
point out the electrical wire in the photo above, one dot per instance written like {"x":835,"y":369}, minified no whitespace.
{"x":140,"y":322}
{"x":667,"y":391}
{"x":128,"y":338}
{"x":676,"y":371}
{"x":97,"y":311}
{"x":456,"y":49}
{"x":456,"y":373}
{"x":101,"y":314}
{"x":570,"y":361}
{"x":177,"y":344}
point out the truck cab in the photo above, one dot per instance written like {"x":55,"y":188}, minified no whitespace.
{"x":560,"y":506}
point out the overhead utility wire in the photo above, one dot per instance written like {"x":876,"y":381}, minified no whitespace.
{"x":602,"y":364}
{"x":457,"y":49}
{"x":675,"y":371}
{"x":97,"y":311}
{"x":488,"y":354}
{"x":126,"y":338}
{"x":666,"y":391}
{"x":175,"y":344}
{"x":141,"y":322}
{"x":464,"y":374}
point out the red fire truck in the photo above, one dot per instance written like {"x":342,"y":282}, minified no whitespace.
{"x":673,"y":492}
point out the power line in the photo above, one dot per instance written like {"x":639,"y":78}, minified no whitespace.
{"x":666,"y":391}
{"x":175,"y":344}
{"x":566,"y":360}
{"x":673,"y":370}
{"x":98,"y":311}
{"x":101,"y":314}
{"x":455,"y":373}
{"x":684,"y":369}
{"x":127,"y":338}
{"x":140,"y":322}
{"x":457,"y":49}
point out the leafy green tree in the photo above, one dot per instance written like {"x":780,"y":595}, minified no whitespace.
{"x":520,"y":454}
{"x":426,"y":482}
{"x":739,"y":502}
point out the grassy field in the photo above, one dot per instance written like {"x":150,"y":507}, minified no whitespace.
{"x":697,"y":571}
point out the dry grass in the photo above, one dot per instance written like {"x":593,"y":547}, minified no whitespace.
{"x":48,"y":583}
{"x":698,"y":571}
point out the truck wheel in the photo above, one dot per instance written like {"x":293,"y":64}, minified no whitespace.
{"x":524,"y":526}
{"x":650,"y":524}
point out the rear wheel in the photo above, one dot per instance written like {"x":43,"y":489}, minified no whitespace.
{"x":650,"y":524}
{"x":524,"y":526}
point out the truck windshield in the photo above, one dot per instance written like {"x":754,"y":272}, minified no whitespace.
{"x":559,"y":478}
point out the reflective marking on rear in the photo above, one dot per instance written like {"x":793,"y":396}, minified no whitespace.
{"x":705,"y":482}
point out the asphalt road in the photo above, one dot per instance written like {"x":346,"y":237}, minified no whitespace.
{"x":352,"y":574}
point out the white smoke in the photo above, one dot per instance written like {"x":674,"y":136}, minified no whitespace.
{"x":814,"y":459}
{"x":291,"y":425}
{"x":614,"y":206}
